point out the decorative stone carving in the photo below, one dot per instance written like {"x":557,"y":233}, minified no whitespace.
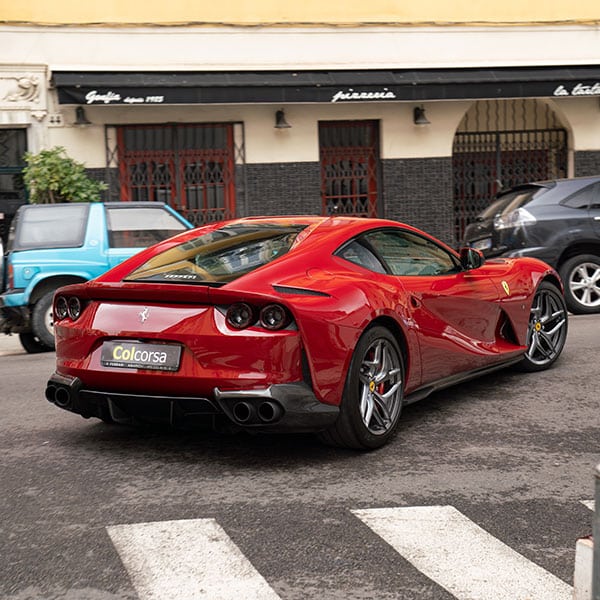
{"x":27,"y":89}
{"x":39,"y":114}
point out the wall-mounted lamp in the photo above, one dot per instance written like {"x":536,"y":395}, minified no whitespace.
{"x":419,"y":117}
{"x":280,"y":122}
{"x":80,"y":118}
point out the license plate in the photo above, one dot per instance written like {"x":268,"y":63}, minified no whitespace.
{"x":137,"y":355}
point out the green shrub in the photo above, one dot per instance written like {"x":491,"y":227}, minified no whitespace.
{"x":51,"y":176}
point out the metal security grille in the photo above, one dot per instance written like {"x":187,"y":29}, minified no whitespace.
{"x":191,"y":167}
{"x":13,"y":145}
{"x":349,"y":156}
{"x":500,"y":144}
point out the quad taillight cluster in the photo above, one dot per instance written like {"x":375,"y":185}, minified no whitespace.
{"x":272,"y":316}
{"x":239,"y":315}
{"x":67,"y":307}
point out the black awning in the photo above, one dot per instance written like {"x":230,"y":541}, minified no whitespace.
{"x":247,"y":87}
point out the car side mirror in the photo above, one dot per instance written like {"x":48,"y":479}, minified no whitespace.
{"x":470,"y":258}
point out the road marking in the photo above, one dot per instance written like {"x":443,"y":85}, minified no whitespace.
{"x":589,"y":503}
{"x":187,"y":560}
{"x":460,"y":556}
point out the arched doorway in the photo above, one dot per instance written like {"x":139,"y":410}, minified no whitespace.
{"x":501,"y":143}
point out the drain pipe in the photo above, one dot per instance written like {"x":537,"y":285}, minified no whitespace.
{"x":596,"y":537}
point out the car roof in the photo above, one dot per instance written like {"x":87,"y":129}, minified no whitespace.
{"x":576,"y":182}
{"x":118,"y":204}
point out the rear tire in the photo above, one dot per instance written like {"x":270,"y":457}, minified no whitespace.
{"x":42,"y":319}
{"x":32,"y":344}
{"x":373,"y":394}
{"x":581,"y":278}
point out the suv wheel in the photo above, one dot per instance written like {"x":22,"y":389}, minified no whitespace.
{"x":32,"y":344}
{"x":42,"y":319}
{"x":581,"y":278}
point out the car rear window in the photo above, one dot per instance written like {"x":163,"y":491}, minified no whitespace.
{"x":51,"y":226}
{"x":517,"y":199}
{"x":139,"y":227}
{"x":219,"y":256}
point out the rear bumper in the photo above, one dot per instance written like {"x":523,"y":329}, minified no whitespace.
{"x":289,"y":407}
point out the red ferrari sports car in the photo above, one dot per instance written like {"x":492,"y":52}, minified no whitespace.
{"x":322,"y":324}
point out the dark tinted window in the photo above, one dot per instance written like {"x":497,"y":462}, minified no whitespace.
{"x":50,"y":226}
{"x":494,"y":208}
{"x":139,"y":227}
{"x":408,"y":254}
{"x":595,"y":199}
{"x":220,"y":256}
{"x":583,"y":198}
{"x":517,"y":199}
{"x":359,"y":254}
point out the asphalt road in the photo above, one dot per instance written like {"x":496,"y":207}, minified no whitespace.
{"x":514,"y":453}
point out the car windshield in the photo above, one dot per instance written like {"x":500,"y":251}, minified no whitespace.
{"x":219,"y":256}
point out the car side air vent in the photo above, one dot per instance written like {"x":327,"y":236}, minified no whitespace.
{"x":286,"y":289}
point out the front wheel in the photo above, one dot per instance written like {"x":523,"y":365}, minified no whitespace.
{"x":547,"y":330}
{"x":373,"y":393}
{"x":581,"y":277}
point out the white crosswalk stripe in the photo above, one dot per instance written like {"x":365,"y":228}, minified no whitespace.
{"x":460,"y":556}
{"x":196,"y":560}
{"x":187,"y":560}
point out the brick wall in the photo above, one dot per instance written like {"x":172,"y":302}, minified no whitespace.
{"x":418,"y":191}
{"x":587,"y":163}
{"x":283,"y":188}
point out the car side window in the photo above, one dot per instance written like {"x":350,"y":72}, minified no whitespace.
{"x":50,"y":226}
{"x":357,"y":253}
{"x":584,"y":199}
{"x":406,"y":253}
{"x":595,"y":199}
{"x":138,"y":227}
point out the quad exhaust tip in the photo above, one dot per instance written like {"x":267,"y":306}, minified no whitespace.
{"x":247,"y":413}
{"x":59,"y":395}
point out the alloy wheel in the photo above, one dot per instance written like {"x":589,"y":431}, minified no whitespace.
{"x":584,"y":284}
{"x":380,"y":387}
{"x":547,"y":327}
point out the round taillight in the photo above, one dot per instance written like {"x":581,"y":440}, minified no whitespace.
{"x":273,"y":316}
{"x":74,"y":308}
{"x":61,"y":308}
{"x":240,"y":315}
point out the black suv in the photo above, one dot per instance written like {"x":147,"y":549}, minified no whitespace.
{"x":557,"y":221}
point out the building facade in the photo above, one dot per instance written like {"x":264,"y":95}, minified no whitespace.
{"x":415,"y":113}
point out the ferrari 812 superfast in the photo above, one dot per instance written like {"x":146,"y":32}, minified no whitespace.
{"x":297,"y":324}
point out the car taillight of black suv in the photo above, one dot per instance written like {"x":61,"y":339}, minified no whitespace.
{"x":556,"y":221}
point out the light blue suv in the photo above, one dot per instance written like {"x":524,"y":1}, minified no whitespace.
{"x":51,"y":245}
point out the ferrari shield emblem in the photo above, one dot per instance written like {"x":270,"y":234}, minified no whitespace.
{"x":506,"y":288}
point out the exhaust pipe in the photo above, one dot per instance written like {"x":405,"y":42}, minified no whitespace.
{"x":62,"y":397}
{"x":50,"y":393}
{"x":243,"y":412}
{"x":269,"y":412}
